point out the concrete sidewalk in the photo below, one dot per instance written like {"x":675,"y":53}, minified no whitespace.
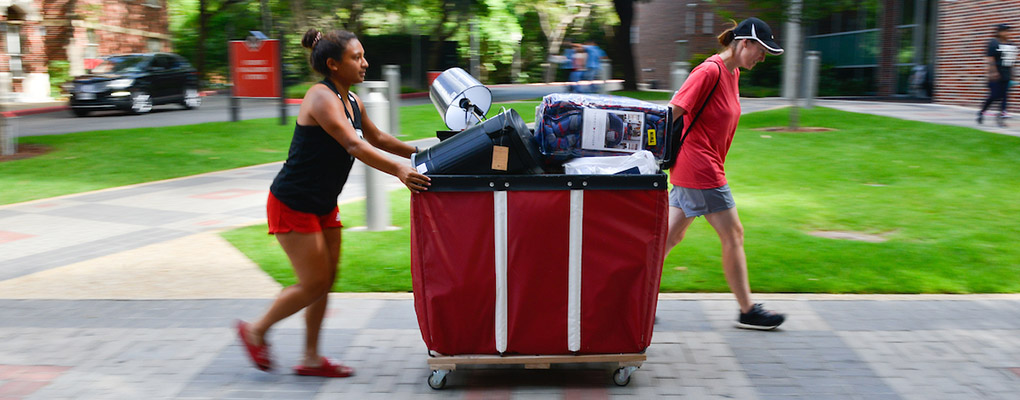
{"x":127,"y":242}
{"x":130,"y":293}
{"x":965,"y":347}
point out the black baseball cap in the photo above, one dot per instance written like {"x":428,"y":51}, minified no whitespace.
{"x":1002,"y":27}
{"x":754,"y":28}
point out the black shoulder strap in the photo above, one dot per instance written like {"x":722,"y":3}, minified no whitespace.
{"x":330,"y":86}
{"x":684,"y":134}
{"x":688,"y":130}
{"x":351,"y":98}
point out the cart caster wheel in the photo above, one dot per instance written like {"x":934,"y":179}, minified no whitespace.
{"x":622,"y":375}
{"x":437,"y":380}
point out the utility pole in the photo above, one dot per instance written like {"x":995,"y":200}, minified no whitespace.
{"x":792,"y":62}
{"x":266,"y":18}
{"x":283,"y":78}
{"x":235,"y":102}
{"x":8,"y":140}
{"x":8,"y":143}
{"x":476,"y":70}
{"x":377,"y":205}
{"x":391,"y":74}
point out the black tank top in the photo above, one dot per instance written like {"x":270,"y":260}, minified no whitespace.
{"x":317,"y":166}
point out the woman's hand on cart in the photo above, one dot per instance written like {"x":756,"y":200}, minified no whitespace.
{"x":414,"y":181}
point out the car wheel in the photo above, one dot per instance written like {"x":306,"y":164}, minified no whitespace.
{"x":141,"y":102}
{"x":191,"y":98}
{"x":78,"y":112}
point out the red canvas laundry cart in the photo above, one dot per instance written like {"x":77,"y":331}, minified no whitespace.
{"x":537,"y":269}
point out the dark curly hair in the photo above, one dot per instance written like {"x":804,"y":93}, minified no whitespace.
{"x":324,"y":46}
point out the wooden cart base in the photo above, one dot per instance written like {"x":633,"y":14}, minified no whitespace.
{"x":442,"y":365}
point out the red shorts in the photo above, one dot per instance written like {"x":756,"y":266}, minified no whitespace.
{"x":283,"y":219}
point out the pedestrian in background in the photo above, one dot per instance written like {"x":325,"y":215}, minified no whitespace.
{"x":332,"y":130}
{"x":1000,"y":55}
{"x":579,"y":63}
{"x":699,"y":182}
{"x":566,"y":61}
{"x":594,"y":62}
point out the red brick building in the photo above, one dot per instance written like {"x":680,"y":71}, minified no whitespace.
{"x":660,"y":24}
{"x":963,"y":31}
{"x":676,"y":30}
{"x":35,"y":32}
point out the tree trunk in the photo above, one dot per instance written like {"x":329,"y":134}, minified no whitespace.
{"x":438,"y":37}
{"x":203,"y":22}
{"x":797,"y":50}
{"x":555,"y":32}
{"x":624,"y":51}
{"x":204,"y":15}
{"x":297,"y":9}
{"x":355,"y":10}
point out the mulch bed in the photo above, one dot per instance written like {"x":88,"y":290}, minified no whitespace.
{"x":845,"y":235}
{"x":27,"y":151}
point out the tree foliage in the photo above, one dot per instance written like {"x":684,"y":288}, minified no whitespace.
{"x":528,"y":29}
{"x":777,"y":10}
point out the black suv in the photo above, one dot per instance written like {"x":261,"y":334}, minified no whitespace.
{"x":135,"y":83}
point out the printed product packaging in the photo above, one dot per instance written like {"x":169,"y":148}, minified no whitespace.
{"x":569,"y":125}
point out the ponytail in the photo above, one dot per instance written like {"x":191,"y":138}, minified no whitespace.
{"x":727,"y":36}
{"x":324,"y":46}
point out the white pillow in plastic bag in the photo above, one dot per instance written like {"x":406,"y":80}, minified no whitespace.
{"x":641,"y":162}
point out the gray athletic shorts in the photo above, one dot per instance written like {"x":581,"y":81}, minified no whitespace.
{"x":698,"y":202}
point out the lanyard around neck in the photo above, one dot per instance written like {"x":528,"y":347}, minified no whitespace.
{"x":350,"y":98}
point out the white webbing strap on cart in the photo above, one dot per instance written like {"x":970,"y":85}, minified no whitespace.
{"x":500,"y":213}
{"x":574,"y":271}
{"x":573,"y":266}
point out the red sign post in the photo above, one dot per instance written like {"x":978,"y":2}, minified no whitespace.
{"x":255,"y":67}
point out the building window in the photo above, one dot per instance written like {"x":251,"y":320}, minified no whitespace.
{"x":153,"y":3}
{"x":690,"y":24}
{"x":13,"y":39}
{"x":707,"y":20}
{"x":92,"y":44}
{"x":91,"y":49}
{"x":154,"y":45}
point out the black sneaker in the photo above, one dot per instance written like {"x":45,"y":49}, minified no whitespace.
{"x":1002,"y":122}
{"x":759,"y":318}
{"x":981,"y":118}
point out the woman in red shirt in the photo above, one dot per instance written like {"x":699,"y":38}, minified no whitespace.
{"x":698,"y":178}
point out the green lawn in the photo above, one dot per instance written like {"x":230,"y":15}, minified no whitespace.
{"x":945,"y":198}
{"x":372,"y":261}
{"x":96,"y":160}
{"x":644,"y":94}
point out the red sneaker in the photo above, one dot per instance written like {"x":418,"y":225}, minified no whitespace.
{"x":327,"y":369}
{"x":259,"y":354}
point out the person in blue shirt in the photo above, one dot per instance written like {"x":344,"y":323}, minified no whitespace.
{"x":594,"y":63}
{"x":565,"y":61}
{"x":578,"y":62}
{"x":568,"y":54}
